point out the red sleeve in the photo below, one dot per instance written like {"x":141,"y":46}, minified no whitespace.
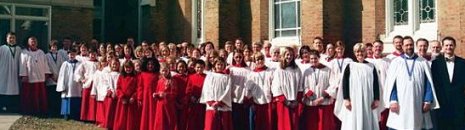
{"x":134,"y":88}
{"x":119,"y":85}
{"x":140,"y":87}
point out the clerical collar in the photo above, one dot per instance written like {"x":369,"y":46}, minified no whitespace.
{"x":73,"y":61}
{"x":259,"y":69}
{"x":405,"y":56}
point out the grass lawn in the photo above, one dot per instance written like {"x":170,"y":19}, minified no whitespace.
{"x":38,"y":123}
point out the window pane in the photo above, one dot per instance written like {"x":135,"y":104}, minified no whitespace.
{"x":39,"y":29}
{"x":277,"y":34}
{"x":400,"y":12}
{"x":277,"y":20}
{"x":5,"y":9}
{"x":5,"y":28}
{"x":427,"y":11}
{"x":28,"y":11}
{"x":288,"y":33}
{"x":289,"y":15}
{"x":199,"y":19}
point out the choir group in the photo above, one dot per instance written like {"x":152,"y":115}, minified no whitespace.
{"x":164,"y":86}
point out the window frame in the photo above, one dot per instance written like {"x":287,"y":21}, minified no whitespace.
{"x":286,"y":40}
{"x":196,"y":40}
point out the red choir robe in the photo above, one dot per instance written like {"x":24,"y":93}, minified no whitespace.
{"x":147,"y":84}
{"x":86,"y":72}
{"x":126,"y":111}
{"x":259,"y":85}
{"x":216,"y":93}
{"x":166,"y":112}
{"x":317,"y":116}
{"x":181,"y":80}
{"x":196,"y":111}
{"x":111,"y":100}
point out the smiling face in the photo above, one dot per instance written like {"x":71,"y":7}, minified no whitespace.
{"x":11,"y":39}
{"x":377,"y":49}
{"x":422,"y":47}
{"x":318,"y":45}
{"x":314,"y":60}
{"x":449,"y":47}
{"x":398,"y":44}
{"x":408,"y":47}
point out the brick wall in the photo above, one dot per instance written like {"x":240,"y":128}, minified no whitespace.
{"x":451,"y":21}
{"x":211,"y":21}
{"x":72,"y":22}
{"x":259,"y":23}
{"x":333,"y":20}
{"x":311,"y":20}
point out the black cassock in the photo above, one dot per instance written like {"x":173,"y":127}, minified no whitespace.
{"x":450,"y":95}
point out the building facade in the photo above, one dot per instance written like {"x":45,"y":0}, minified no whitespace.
{"x":283,"y":22}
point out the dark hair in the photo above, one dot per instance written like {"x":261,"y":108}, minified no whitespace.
{"x":242,"y":60}
{"x":72,"y":50}
{"x":368,"y":44}
{"x":398,"y":37}
{"x":314,"y":52}
{"x":211,"y":43}
{"x":448,"y":38}
{"x":11,"y":33}
{"x":378,"y":41}
{"x":92,"y":50}
{"x":199,"y":62}
{"x":128,"y":63}
{"x":180,"y":62}
{"x":339,"y":44}
{"x":145,"y":62}
{"x":407,"y":38}
{"x":318,"y":38}
{"x":422,"y":39}
{"x":304,"y":47}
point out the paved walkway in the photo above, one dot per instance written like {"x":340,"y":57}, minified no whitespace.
{"x":6,"y":120}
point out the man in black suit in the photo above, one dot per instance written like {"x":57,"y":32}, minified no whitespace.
{"x":449,"y":82}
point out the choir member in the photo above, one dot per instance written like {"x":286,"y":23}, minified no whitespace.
{"x":54,"y":60}
{"x":66,"y":44}
{"x":148,"y":79}
{"x":238,"y":72}
{"x":449,"y":86}
{"x":304,"y":63}
{"x":408,"y":90}
{"x":34,"y":71}
{"x":83,"y":53}
{"x":100,"y":92}
{"x":331,"y":52}
{"x":286,"y":89}
{"x":318,"y":112}
{"x":216,"y":94}
{"x":258,"y":85}
{"x":266,"y":49}
{"x":337,"y":66}
{"x":84,"y":74}
{"x":181,"y":79}
{"x":357,"y":104}
{"x":369,"y":49}
{"x":165,"y":93}
{"x":164,"y":53}
{"x":319,"y":46}
{"x":69,"y":88}
{"x":196,"y":110}
{"x":126,"y":94}
{"x":9,"y":81}
{"x":273,"y":62}
{"x":422,"y":45}
{"x":436,"y":48}
{"x":397,"y":42}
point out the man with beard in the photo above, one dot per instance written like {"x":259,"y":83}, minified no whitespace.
{"x":397,"y":42}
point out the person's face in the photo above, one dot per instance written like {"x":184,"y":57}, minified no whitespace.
{"x":110,"y":57}
{"x":422,"y":47}
{"x":228,"y":48}
{"x":398,"y":44}
{"x":32,"y":43}
{"x":130,"y":41}
{"x":289,"y":55}
{"x":103,"y":64}
{"x":72,"y":55}
{"x":223,"y":54}
{"x":314,"y":59}
{"x":165,"y":52}
{"x":11,"y":39}
{"x":139,"y":53}
{"x":199,"y":68}
{"x":53,"y":48}
{"x":369,"y":50}
{"x":165,"y":71}
{"x":145,"y":46}
{"x":137,"y":67}
{"x":330,"y":50}
{"x":247,"y":53}
{"x":182,"y":68}
{"x":256,"y":48}
{"x":66,"y":43}
{"x":109,"y":48}
{"x":93,"y":56}
{"x":148,"y":53}
{"x":449,"y":47}
{"x":114,"y":65}
{"x":238,"y":58}
{"x":360,"y":55}
{"x":275,"y":54}
{"x":83,"y":50}
{"x":127,"y":50}
{"x":239,"y":44}
{"x":305,"y":55}
{"x":208,"y":47}
{"x":219,"y":67}
{"x":267,"y":47}
{"x":378,"y":48}
{"x":102,"y":48}
{"x":150,"y":66}
{"x":436,"y":47}
{"x":260,"y":62}
{"x":196,"y":54}
{"x":318,"y":45}
{"x":128,"y":69}
{"x":117,"y":48}
{"x":408,"y":47}
{"x":339,"y":52}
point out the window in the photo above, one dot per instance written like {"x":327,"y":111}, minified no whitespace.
{"x":26,"y":20}
{"x":285,"y":22}
{"x":416,"y":18}
{"x":197,"y":24}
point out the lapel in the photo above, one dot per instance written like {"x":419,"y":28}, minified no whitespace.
{"x":445,"y":71}
{"x":457,"y":67}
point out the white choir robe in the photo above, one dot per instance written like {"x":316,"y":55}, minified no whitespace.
{"x":382,"y":66}
{"x":101,"y":82}
{"x":9,"y":70}
{"x":272,"y":64}
{"x":113,"y":79}
{"x":316,"y":81}
{"x":303,"y":66}
{"x":392,"y":56}
{"x":34,"y":65}
{"x":238,"y":77}
{"x":64,"y":53}
{"x":258,"y":85}
{"x":82,"y":58}
{"x":287,"y":82}
{"x":361,"y":86}
{"x":54,"y":63}
{"x":85,"y":71}
{"x":337,"y":66}
{"x":217,"y":87}
{"x":410,"y":94}
{"x":66,"y":83}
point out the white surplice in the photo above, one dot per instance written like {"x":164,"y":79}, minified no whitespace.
{"x":66,"y":83}
{"x":287,"y":82}
{"x":217,"y":87}
{"x":55,"y":60}
{"x":259,"y":86}
{"x":337,"y":66}
{"x":34,"y":65}
{"x":85,"y":71}
{"x":238,"y":77}
{"x":317,"y":81}
{"x":9,"y":71}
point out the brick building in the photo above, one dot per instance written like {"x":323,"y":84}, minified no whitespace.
{"x":283,"y":22}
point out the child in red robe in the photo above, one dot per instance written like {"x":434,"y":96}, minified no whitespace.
{"x":126,"y":106}
{"x":165,"y":94}
{"x":84,"y":74}
{"x":148,"y":79}
{"x":100,"y":87}
{"x":216,"y":93}
{"x":196,"y":111}
{"x":181,"y":80}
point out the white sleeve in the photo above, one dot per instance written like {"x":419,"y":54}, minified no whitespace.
{"x":23,"y":65}
{"x":62,"y":83}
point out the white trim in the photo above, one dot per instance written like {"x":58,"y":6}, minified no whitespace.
{"x":194,"y":38}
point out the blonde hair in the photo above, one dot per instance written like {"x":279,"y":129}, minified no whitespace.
{"x":359,"y":47}
{"x":284,"y":63}
{"x":258,"y":55}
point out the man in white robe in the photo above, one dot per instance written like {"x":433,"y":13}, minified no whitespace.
{"x":9,"y":78}
{"x":397,"y":42}
{"x":408,"y":91}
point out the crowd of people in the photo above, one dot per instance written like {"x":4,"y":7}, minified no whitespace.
{"x":257,"y":86}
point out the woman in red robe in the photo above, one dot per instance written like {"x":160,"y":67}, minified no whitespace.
{"x":147,"y":83}
{"x":165,"y":94}
{"x":196,"y":111}
{"x":126,"y":106}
